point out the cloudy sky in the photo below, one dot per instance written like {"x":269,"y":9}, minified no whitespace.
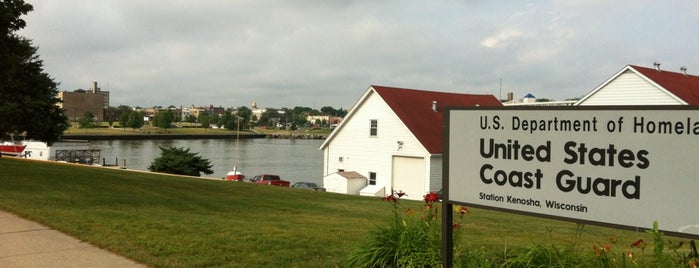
{"x":327,"y":53}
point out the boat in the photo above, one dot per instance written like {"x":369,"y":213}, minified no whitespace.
{"x":235,"y":175}
{"x":11,"y":148}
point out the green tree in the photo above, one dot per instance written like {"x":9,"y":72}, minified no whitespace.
{"x":269,"y":118}
{"x":28,"y":95}
{"x":181,"y":161}
{"x":164,"y":119}
{"x":190,"y":118}
{"x":245,"y":115}
{"x":123,"y":115}
{"x":328,"y":110}
{"x":87,"y":121}
{"x":111,"y":113}
{"x":204,"y":119}
{"x":135,"y":120}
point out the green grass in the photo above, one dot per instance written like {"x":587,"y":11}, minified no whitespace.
{"x":170,"y":221}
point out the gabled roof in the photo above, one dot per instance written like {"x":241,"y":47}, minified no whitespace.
{"x":414,"y":108}
{"x":685,"y":88}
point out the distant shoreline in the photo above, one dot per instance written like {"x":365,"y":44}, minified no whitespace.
{"x":189,"y":136}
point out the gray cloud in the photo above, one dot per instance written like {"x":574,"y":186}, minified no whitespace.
{"x":318,"y":53}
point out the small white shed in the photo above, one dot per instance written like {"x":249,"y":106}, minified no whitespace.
{"x":344,"y":182}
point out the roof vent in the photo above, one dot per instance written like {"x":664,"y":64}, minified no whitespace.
{"x":657,"y":65}
{"x":434,"y":106}
{"x":684,"y":70}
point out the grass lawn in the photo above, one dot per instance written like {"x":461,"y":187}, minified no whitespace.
{"x":169,"y":221}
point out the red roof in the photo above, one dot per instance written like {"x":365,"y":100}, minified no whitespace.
{"x":685,"y":87}
{"x":414,"y":108}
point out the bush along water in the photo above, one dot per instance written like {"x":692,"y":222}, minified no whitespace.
{"x":412,"y":238}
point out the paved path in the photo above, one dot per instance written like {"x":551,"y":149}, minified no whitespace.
{"x":25,"y":243}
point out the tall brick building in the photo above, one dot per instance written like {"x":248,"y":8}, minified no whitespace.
{"x":80,"y":101}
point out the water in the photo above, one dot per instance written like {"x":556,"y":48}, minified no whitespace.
{"x":293,"y":159}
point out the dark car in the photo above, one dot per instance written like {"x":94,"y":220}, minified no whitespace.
{"x":307,"y":185}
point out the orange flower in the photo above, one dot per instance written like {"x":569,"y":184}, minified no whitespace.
{"x":410,"y":211}
{"x":598,"y":252}
{"x":456,"y":226}
{"x":639,"y":244}
{"x":613,"y":239}
{"x":629,"y":254}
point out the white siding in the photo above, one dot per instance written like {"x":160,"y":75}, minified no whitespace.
{"x":363,"y":153}
{"x":630,"y":89}
{"x":435,"y":181}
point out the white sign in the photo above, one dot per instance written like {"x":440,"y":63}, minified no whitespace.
{"x":622,"y":166}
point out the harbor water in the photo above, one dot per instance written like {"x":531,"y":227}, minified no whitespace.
{"x":293,"y":159}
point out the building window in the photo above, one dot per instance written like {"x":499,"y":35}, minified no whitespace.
{"x":373,"y":128}
{"x":372,"y":178}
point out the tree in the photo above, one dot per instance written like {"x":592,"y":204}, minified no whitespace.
{"x":328,"y":110}
{"x":87,"y":121}
{"x":245,"y":115}
{"x":164,"y":119}
{"x":28,"y":95}
{"x":135,"y":120}
{"x":175,"y":160}
{"x":111,"y":113}
{"x":204,"y":119}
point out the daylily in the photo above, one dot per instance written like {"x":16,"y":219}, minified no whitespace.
{"x":461,"y":210}
{"x":639,"y":244}
{"x":431,"y":198}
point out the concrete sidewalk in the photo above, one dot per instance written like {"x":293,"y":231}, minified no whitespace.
{"x":25,"y":243}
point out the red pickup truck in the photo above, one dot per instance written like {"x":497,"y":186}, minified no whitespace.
{"x":269,"y":180}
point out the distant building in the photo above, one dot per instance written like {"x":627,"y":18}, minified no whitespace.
{"x":80,"y":101}
{"x":256,"y":111}
{"x":636,"y":85}
{"x":531,"y":100}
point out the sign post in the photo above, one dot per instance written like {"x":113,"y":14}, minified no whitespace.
{"x":623,"y":167}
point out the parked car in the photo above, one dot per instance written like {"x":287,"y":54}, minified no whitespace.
{"x":308,"y":185}
{"x":269,"y":180}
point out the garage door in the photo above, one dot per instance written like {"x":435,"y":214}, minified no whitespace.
{"x":409,"y":176}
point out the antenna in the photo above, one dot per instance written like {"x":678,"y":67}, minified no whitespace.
{"x":500,"y":94}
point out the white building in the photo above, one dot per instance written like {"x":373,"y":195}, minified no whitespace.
{"x":76,"y":150}
{"x":393,"y":138}
{"x":635,"y":85}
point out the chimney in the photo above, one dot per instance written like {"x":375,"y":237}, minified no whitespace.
{"x":434,"y":106}
{"x":657,"y":65}
{"x":510,"y":96}
{"x":95,"y":89}
{"x":684,"y":70}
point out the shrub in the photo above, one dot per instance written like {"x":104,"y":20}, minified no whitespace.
{"x":412,"y":238}
{"x":180,"y":161}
